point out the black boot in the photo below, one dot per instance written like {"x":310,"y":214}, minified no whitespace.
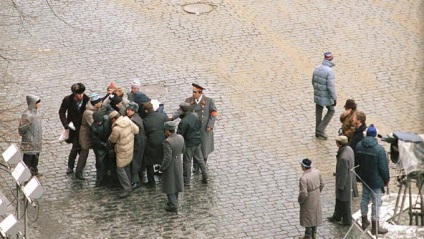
{"x":380,"y":229}
{"x":365,"y":223}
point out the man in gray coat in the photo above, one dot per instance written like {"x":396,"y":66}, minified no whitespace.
{"x":345,"y":161}
{"x":32,"y":133}
{"x":207,"y":112}
{"x":324,"y":94}
{"x":310,"y":187}
{"x":172,"y":166}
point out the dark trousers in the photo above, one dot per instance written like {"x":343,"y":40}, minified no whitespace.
{"x":150,"y":174}
{"x":172,"y":200}
{"x":75,"y":151}
{"x":193,"y":153}
{"x":342,"y":210}
{"x":31,"y":161}
{"x":82,"y":160}
{"x":310,"y":230}
{"x":321,"y":123}
{"x":135,"y":169}
{"x":101,"y":155}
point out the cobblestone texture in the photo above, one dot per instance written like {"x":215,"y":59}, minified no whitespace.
{"x":256,"y":60}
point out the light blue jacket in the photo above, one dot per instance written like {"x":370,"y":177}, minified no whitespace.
{"x":324,"y":84}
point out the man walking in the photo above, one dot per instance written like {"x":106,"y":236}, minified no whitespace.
{"x":374,"y":172}
{"x":323,"y":82}
{"x":310,"y":187}
{"x":207,"y":112}
{"x":345,"y":161}
{"x":172,"y":166}
{"x":31,"y":130}
{"x":189,"y":128}
{"x":70,"y":113}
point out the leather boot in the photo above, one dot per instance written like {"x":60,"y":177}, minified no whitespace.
{"x":380,"y":229}
{"x":314,"y":235}
{"x":305,"y":237}
{"x":365,"y":223}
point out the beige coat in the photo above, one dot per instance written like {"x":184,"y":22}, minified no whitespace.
{"x":123,"y":131}
{"x":87,"y":121}
{"x":310,"y":187}
{"x":347,"y":123}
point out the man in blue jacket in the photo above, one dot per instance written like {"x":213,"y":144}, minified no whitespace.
{"x":324,"y":94}
{"x":374,"y":172}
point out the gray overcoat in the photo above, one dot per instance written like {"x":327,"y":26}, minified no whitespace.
{"x":310,"y":187}
{"x":172,"y":165}
{"x":345,"y":161}
{"x":207,"y":112}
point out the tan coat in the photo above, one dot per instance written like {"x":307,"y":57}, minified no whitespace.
{"x":87,"y":121}
{"x":310,"y":187}
{"x":347,"y":123}
{"x":123,"y":131}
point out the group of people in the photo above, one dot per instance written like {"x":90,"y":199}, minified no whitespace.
{"x":130,"y":133}
{"x":358,"y":151}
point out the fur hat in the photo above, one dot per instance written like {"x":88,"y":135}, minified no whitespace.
{"x":98,"y":115}
{"x":169,"y":125}
{"x":185,"y":106}
{"x":306,"y":163}
{"x":78,"y":88}
{"x":134,"y":106}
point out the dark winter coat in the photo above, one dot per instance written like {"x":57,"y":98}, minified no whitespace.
{"x":357,"y":137}
{"x":139,"y":139}
{"x":172,"y":165}
{"x":207,"y":113}
{"x":374,"y":169}
{"x":69,"y":112}
{"x":153,"y":125}
{"x":100,"y":134}
{"x":189,"y":128}
{"x":30,"y":127}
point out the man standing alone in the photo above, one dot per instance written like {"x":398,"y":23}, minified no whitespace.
{"x":310,"y":187}
{"x":32,"y":133}
{"x":323,"y":81}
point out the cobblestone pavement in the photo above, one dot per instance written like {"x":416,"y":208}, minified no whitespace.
{"x":255,"y":58}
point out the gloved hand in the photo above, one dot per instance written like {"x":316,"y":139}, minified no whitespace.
{"x":335,"y":103}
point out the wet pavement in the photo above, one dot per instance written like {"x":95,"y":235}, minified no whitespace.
{"x":255,"y":58}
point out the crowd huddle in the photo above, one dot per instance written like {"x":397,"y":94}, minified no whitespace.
{"x":359,"y":159}
{"x":131,"y":137}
